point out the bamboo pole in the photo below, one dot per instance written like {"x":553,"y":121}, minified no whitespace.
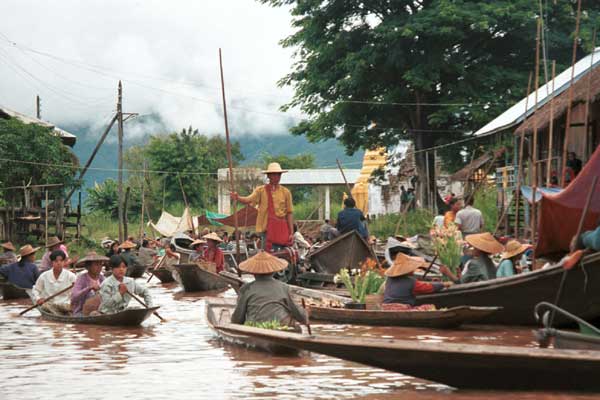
{"x":587,"y":99}
{"x":46,"y":218}
{"x":230,"y":162}
{"x":520,"y":162}
{"x":551,"y":130}
{"x":534,"y":149}
{"x":344,"y":176}
{"x":568,"y":122}
{"x":187,"y":205}
{"x":120,"y":161}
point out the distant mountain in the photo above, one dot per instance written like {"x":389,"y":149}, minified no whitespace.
{"x":253,"y":146}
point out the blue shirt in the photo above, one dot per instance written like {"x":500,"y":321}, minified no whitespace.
{"x":506,"y":268}
{"x":350,"y":219}
{"x":23,"y":276}
{"x":591,"y":239}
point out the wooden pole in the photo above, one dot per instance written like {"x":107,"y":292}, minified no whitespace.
{"x":534,"y":149}
{"x":143,"y":203}
{"x":230,"y":162}
{"x":187,"y":205}
{"x":125,"y":215}
{"x":120,"y":161}
{"x":144,"y":304}
{"x":520,"y":163}
{"x":568,"y":122}
{"x":587,"y":99}
{"x":48,"y":299}
{"x":38,"y":107}
{"x":344,"y":176}
{"x":46,"y":218}
{"x":551,"y":130}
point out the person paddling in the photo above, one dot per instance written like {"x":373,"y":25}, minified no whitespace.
{"x":23,"y":273}
{"x":53,"y":281}
{"x":85,"y":297}
{"x":275,"y":220}
{"x":113,"y":290}
{"x":8,"y":256}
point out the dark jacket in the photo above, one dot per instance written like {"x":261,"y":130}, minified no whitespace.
{"x":350,"y":219}
{"x":481,"y":268}
{"x":23,"y":276}
{"x":402,"y":289}
{"x":254,"y":296}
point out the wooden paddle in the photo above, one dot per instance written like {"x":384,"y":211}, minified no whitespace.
{"x":307,"y":316}
{"x":156,"y":267}
{"x":49,"y":298}
{"x":145,"y":305}
{"x":569,"y":264}
{"x":430,"y":265}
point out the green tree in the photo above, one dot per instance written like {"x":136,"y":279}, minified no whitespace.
{"x":47,"y":160}
{"x":190,"y":159}
{"x":374,"y":72}
{"x":103,"y":198}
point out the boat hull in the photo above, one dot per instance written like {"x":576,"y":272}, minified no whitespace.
{"x":136,"y":271}
{"x":450,"y":318}
{"x":163,"y":274}
{"x":464,"y":366}
{"x":349,"y":250}
{"x":129,"y":317}
{"x":10,"y":291}
{"x":518,"y":295}
{"x":195,"y":279}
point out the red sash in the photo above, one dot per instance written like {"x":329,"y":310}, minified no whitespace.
{"x":278,"y":231}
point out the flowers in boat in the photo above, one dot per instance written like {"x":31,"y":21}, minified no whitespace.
{"x":448,"y":244}
{"x":363,"y":281}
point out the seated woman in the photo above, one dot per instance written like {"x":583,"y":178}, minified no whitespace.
{"x":266,"y":299}
{"x":510,"y":259}
{"x":401,"y":287}
{"x":113,"y":290}
{"x":212,"y":252}
{"x":23,"y":273}
{"x":54,"y":281}
{"x":480,"y":267}
{"x":85,"y":296}
{"x":198,"y":247}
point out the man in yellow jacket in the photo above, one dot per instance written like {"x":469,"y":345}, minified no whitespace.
{"x":275,"y":220}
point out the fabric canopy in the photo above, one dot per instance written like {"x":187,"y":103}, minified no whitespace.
{"x":560,"y":213}
{"x":168,"y":225}
{"x":527,"y":192}
{"x":246,"y":217}
{"x":210,"y":218}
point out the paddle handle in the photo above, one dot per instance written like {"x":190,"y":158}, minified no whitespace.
{"x":49,"y":298}
{"x":307,"y":316}
{"x":430,"y":265}
{"x":157,"y":266}
{"x":144,"y":304}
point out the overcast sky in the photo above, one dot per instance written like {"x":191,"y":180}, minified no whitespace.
{"x":166,"y":53}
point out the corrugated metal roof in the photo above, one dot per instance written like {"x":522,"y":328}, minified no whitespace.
{"x":304,"y":176}
{"x":68,"y":138}
{"x":515,"y":115}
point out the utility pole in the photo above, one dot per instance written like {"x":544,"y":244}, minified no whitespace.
{"x":38,"y":107}
{"x":120,"y":163}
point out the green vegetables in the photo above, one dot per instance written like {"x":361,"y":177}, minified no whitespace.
{"x":273,"y":325}
{"x":365,"y":283}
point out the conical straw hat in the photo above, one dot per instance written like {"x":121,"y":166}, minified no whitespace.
{"x":127,"y":245}
{"x":27,"y":250}
{"x":404,"y":264}
{"x":274,"y":168}
{"x":263,"y":263}
{"x":90,"y":257}
{"x":197,"y":242}
{"x":8,"y":246}
{"x":485,"y":242}
{"x":53,"y":241}
{"x":514,"y":248}
{"x":212,"y":236}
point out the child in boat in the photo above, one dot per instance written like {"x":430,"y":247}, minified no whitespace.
{"x":401,"y":287}
{"x":510,"y":257}
{"x":113,"y":290}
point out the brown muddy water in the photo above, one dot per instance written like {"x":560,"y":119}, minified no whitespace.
{"x":181,"y":359}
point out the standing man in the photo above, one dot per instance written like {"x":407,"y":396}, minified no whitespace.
{"x":275,"y":220}
{"x":469,"y":219}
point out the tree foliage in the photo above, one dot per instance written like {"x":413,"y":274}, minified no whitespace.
{"x":52,"y":161}
{"x":103,"y":198}
{"x":440,"y":66}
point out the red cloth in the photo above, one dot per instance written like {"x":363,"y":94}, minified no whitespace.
{"x":560,"y":213}
{"x":278,"y":230}
{"x":423,"y":287}
{"x":216,"y":256}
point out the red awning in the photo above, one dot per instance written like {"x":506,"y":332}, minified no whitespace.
{"x":246,"y":217}
{"x":560,"y":213}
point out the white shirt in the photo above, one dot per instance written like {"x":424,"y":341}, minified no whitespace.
{"x":47,"y":285}
{"x":470,"y":220}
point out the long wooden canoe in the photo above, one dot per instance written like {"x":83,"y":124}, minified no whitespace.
{"x":10,"y":291}
{"x":448,"y":318}
{"x":218,"y":313}
{"x":518,"y":294}
{"x":346,"y":251}
{"x":163,"y":274}
{"x":129,"y":317}
{"x":136,"y":271}
{"x":465,"y":366}
{"x":195,"y":279}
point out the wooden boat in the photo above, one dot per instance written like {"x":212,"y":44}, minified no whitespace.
{"x":518,"y":294}
{"x":163,"y":274}
{"x":10,"y":291}
{"x":587,"y":338}
{"x":129,"y":317}
{"x":136,"y":271}
{"x":449,"y":318}
{"x":346,"y":251}
{"x":464,"y":366}
{"x":195,"y":279}
{"x":218,"y":313}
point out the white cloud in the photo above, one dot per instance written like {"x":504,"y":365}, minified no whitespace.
{"x":156,"y":48}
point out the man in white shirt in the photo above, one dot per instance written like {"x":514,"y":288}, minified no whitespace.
{"x":52,"y":282}
{"x":469,"y":219}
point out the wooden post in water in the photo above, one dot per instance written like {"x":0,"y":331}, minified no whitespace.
{"x":520,"y":163}
{"x":551,"y":130}
{"x":230,"y":162}
{"x":120,"y":161}
{"x":588,"y":149}
{"x":534,"y":149}
{"x":568,"y":122}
